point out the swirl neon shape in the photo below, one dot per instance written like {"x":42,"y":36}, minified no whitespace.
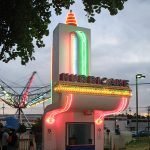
{"x":123,"y":104}
{"x":51,"y":118}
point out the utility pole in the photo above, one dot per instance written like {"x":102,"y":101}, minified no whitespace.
{"x":137,"y":106}
{"x":43,"y":107}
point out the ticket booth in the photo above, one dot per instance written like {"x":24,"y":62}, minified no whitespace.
{"x":75,"y":118}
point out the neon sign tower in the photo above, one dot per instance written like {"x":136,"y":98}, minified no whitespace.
{"x":79,"y":101}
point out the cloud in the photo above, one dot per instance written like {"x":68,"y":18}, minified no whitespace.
{"x":120,"y":48}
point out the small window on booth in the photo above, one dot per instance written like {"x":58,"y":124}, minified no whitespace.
{"x":80,"y":133}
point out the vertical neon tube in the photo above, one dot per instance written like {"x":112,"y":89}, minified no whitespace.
{"x":83,"y":65}
{"x":73,"y":54}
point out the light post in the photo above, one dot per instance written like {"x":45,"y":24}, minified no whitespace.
{"x":138,"y":76}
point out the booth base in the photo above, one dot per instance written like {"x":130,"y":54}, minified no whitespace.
{"x":81,"y":147}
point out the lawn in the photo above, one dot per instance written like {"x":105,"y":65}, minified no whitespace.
{"x":143,"y":143}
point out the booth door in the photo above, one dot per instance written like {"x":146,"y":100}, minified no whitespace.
{"x":80,"y":136}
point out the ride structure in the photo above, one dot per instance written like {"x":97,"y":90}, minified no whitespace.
{"x":75,"y":118}
{"x":26,"y":99}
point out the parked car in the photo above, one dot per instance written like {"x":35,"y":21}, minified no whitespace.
{"x":142,"y":133}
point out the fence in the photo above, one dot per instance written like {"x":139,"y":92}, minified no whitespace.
{"x":25,"y":142}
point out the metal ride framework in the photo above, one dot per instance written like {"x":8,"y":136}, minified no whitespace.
{"x":26,"y":99}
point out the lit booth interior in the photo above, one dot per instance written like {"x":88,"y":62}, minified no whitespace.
{"x":75,"y":118}
{"x":80,"y":133}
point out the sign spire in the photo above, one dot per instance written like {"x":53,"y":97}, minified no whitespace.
{"x":71,"y":20}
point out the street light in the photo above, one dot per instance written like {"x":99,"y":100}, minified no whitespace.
{"x":138,"y":76}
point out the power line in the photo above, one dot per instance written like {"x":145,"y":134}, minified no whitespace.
{"x":31,"y":87}
{"x":133,"y":84}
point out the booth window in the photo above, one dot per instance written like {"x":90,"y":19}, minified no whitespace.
{"x":80,"y":133}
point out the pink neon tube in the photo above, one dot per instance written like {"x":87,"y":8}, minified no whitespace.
{"x":122,"y":105}
{"x":52,"y":114}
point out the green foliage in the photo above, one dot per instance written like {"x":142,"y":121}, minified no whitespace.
{"x":25,"y":21}
{"x":21,"y":22}
{"x":1,"y":125}
{"x":37,"y":127}
{"x":95,"y":6}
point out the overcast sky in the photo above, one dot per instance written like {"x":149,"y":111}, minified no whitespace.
{"x":120,"y":48}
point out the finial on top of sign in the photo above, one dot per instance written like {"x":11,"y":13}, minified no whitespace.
{"x":71,"y":20}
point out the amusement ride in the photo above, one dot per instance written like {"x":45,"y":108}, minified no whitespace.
{"x":27,"y":98}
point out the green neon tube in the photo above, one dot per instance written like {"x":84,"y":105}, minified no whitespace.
{"x":83,"y":64}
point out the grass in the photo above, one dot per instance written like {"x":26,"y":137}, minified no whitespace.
{"x":143,"y":143}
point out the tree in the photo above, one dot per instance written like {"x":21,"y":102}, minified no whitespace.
{"x":37,"y":131}
{"x":22,"y":128}
{"x":24,"y":21}
{"x":37,"y":127}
